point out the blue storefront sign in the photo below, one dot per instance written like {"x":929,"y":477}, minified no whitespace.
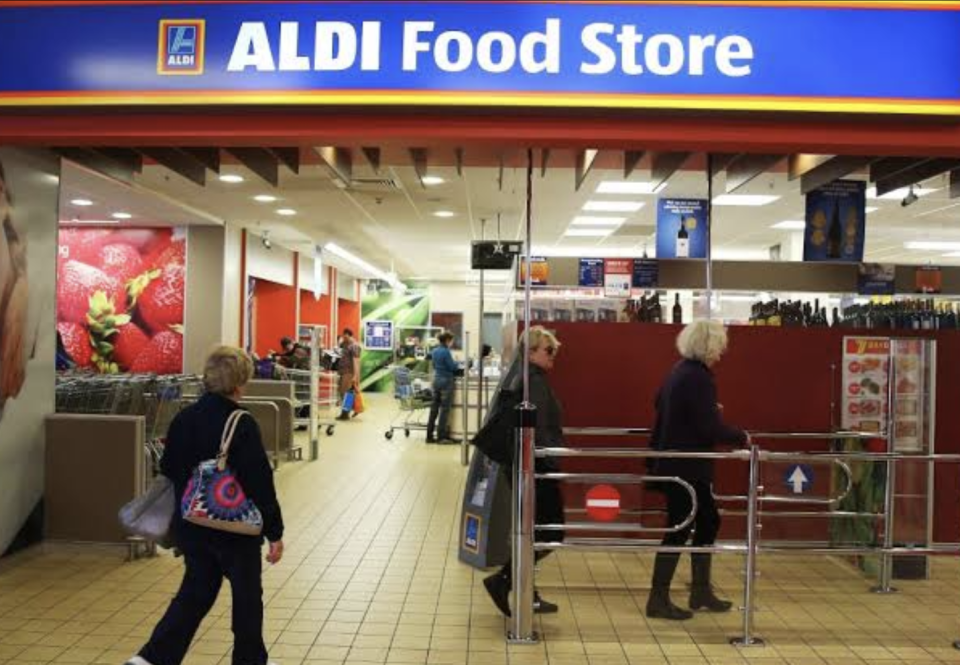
{"x":836,"y":222}
{"x":682,"y":229}
{"x":591,"y":273}
{"x":727,"y":56}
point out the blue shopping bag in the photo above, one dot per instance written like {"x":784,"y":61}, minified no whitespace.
{"x":348,"y":399}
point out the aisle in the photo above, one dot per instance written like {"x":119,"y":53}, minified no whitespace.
{"x":371,"y":575}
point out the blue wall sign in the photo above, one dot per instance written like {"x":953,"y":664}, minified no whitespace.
{"x":836,"y":222}
{"x":378,"y":335}
{"x":725,"y":56}
{"x":591,"y":273}
{"x":799,"y":478}
{"x":646,"y":273}
{"x":876,"y":279}
{"x":471,"y":532}
{"x":682,"y":229}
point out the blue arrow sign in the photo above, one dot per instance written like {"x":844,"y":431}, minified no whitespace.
{"x":799,"y":478}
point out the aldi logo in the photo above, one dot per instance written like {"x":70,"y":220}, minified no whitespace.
{"x":181,"y":47}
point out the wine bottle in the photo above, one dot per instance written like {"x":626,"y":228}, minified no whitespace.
{"x":677,"y":310}
{"x":836,"y":317}
{"x":835,"y":234}
{"x":683,"y":241}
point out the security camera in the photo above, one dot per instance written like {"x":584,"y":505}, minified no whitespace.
{"x":265,"y":240}
{"x":910,"y":198}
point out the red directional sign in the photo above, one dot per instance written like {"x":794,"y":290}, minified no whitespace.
{"x":603,"y":503}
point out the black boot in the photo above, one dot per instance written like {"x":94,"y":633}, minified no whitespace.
{"x":701,"y":591}
{"x":498,"y":587}
{"x":659,"y":605}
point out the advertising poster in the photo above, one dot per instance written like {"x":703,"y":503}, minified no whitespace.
{"x":646,"y":273}
{"x":908,"y":392}
{"x":452,"y":322}
{"x":591,"y":273}
{"x":682,"y":229}
{"x":120,"y":295}
{"x":836,"y":222}
{"x":617,"y":278}
{"x":410,"y":314}
{"x":876,"y":279}
{"x":29,"y":194}
{"x":929,"y":279}
{"x":866,"y":368}
{"x":378,"y":335}
{"x":539,"y":268}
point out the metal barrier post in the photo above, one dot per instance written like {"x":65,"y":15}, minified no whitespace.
{"x":748,"y":639}
{"x":886,"y":559}
{"x":465,"y":411}
{"x":315,"y":351}
{"x":521,"y":619}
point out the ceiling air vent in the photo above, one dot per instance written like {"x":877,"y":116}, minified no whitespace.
{"x":375,"y":185}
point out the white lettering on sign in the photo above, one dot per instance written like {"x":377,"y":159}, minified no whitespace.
{"x":335,"y":48}
{"x":603,"y":503}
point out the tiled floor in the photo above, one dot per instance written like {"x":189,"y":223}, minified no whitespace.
{"x":371,"y":576}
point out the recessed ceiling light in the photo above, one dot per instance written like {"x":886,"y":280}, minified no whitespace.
{"x":588,"y":233}
{"x":898,"y":194}
{"x":621,"y":187}
{"x":613,"y":206}
{"x":431,"y":180}
{"x":121,"y":215}
{"x":264,"y":198}
{"x":587,"y":220}
{"x":933,"y":245}
{"x":231,"y":178}
{"x":746,"y":200}
{"x":83,"y":203}
{"x":790,"y":225}
{"x":446,"y":214}
{"x":287,"y":212}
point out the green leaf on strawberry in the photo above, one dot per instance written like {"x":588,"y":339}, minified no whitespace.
{"x":137,"y":285}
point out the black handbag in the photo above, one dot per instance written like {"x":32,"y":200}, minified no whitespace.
{"x":495,"y":439}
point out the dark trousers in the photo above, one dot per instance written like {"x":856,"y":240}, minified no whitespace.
{"x":207,"y":564}
{"x":440,"y":410}
{"x":549,"y":510}
{"x":707,"y":525}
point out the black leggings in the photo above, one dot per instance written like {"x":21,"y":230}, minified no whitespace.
{"x":549,"y":511}
{"x":707,"y":521}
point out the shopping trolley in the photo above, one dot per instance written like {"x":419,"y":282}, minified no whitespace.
{"x":414,"y":395}
{"x":327,"y":399}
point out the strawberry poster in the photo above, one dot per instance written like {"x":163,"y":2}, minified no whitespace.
{"x":120,"y":295}
{"x":866,"y":371}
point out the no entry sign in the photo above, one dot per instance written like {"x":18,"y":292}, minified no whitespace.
{"x":603,"y":503}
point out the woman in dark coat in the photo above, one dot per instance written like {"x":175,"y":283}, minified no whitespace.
{"x":210,"y":555}
{"x":688,"y":419}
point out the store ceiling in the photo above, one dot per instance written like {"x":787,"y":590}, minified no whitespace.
{"x":389,"y":217}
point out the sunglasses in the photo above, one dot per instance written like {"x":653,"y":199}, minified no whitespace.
{"x":551,"y":351}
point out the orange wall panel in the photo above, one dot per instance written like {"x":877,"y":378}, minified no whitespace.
{"x":348,"y":314}
{"x":275,"y":314}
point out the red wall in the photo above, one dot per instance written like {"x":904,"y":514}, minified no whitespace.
{"x":313,"y":311}
{"x":772,"y":379}
{"x":348,"y":315}
{"x":275,"y":315}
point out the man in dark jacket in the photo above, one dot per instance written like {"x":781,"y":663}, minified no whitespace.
{"x":688,"y":419}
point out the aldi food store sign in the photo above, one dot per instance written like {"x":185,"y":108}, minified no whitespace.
{"x":869,"y":57}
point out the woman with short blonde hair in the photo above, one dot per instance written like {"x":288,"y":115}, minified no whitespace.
{"x":227,"y":371}
{"x":705,"y":341}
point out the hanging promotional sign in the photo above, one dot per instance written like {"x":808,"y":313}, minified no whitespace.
{"x":378,"y":335}
{"x":591,"y":273}
{"x":866,"y":371}
{"x":617,"y":277}
{"x":646,"y":273}
{"x":682,"y":228}
{"x":836,"y":222}
{"x":723,"y":56}
{"x":539,"y":271}
{"x":876,"y":279}
{"x":929,"y":279}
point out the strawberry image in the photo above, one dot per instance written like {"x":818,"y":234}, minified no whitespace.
{"x":128,"y":343}
{"x":78,"y":283}
{"x":163,"y":355}
{"x":121,"y":261}
{"x":82,"y":245}
{"x":76,"y":341}
{"x":174,"y":253}
{"x":160,"y":302}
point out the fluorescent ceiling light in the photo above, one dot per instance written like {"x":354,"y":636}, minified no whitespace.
{"x":231,"y":178}
{"x":933,"y":245}
{"x":286,"y":212}
{"x":445,"y":214}
{"x":430,"y":180}
{"x":349,"y":257}
{"x":587,"y":220}
{"x":622,"y":187}
{"x":83,"y":203}
{"x":588,"y":233}
{"x":264,"y":198}
{"x":790,"y":225}
{"x":121,"y":215}
{"x":587,"y":251}
{"x":613,"y":206}
{"x":745,"y":200}
{"x":870,"y":209}
{"x":89,"y":222}
{"x":898,"y":194}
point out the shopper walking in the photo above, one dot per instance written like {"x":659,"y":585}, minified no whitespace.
{"x":688,"y":419}
{"x":349,"y":368}
{"x":211,"y":555}
{"x":445,"y":370}
{"x":544,"y":347}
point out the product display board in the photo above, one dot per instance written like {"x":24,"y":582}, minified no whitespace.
{"x":378,"y":335}
{"x":866,"y":369}
{"x":591,"y":273}
{"x":646,"y":273}
{"x":682,"y":228}
{"x":539,"y":270}
{"x":876,"y":279}
{"x":909,"y":393}
{"x":617,"y":278}
{"x":836,"y":222}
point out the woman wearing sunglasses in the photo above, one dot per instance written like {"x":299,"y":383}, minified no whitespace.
{"x":549,"y":434}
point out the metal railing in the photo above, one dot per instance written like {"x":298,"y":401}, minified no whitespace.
{"x":524,"y":526}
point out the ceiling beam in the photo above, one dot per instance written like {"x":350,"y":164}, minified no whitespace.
{"x":916,"y":175}
{"x":340,"y":162}
{"x":458,"y":155}
{"x":289,"y":157}
{"x":745,"y":168}
{"x":800,"y":164}
{"x":891,"y":166}
{"x":502,"y":160}
{"x":544,"y":160}
{"x":721,"y":160}
{"x":585,"y":161}
{"x":830,"y":170}
{"x":179,"y":162}
{"x":372,"y":156}
{"x":260,"y":161}
{"x":631,"y":160}
{"x":664,"y":165}
{"x":129,"y":159}
{"x":420,"y":159}
{"x":99,"y":162}
{"x":955,"y":184}
{"x":209,"y":157}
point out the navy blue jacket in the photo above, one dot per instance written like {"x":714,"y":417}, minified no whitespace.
{"x":688,"y":419}
{"x":194,"y":437}
{"x":444,"y":367}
